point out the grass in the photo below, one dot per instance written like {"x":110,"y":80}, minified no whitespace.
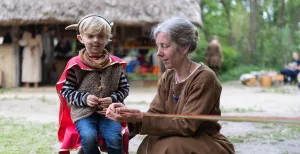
{"x":282,"y":89}
{"x":3,"y":90}
{"x":18,"y":136}
{"x":43,"y":99}
{"x":277,"y":133}
{"x":14,"y":98}
{"x":240,"y":110}
{"x":20,"y":98}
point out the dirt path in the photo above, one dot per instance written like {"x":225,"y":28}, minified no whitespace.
{"x":42,"y":105}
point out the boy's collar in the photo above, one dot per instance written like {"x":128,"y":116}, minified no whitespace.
{"x":95,"y":57}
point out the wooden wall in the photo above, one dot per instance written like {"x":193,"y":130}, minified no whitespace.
{"x":7,"y":66}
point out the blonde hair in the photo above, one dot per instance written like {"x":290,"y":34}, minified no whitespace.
{"x":94,"y":25}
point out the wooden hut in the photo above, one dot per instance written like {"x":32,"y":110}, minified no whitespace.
{"x":132,"y":19}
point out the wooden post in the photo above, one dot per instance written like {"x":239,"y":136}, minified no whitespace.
{"x":114,"y":30}
{"x":1,"y":79}
{"x":15,"y":32}
{"x":123,"y":37}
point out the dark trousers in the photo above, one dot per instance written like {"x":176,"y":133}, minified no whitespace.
{"x":289,"y":75}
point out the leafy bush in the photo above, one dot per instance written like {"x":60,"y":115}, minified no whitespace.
{"x":199,"y":54}
{"x":231,"y":58}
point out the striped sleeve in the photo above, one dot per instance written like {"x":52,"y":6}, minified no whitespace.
{"x":69,"y":92}
{"x":123,"y":90}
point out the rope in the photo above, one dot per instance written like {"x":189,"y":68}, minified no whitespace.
{"x":258,"y":119}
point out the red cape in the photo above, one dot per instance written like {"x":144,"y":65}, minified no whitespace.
{"x":67,"y":134}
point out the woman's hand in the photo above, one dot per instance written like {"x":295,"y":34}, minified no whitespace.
{"x":118,"y":112}
{"x":113,"y":107}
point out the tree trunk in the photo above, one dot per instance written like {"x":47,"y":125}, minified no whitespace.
{"x":207,"y":35}
{"x":253,"y":29}
{"x":228,"y":16}
{"x":281,"y":14}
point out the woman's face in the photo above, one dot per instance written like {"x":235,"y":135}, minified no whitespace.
{"x":170,"y":53}
{"x":94,"y":43}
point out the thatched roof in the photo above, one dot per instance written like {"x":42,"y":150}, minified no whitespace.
{"x":126,"y":12}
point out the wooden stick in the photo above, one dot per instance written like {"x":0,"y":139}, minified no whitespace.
{"x":258,"y":119}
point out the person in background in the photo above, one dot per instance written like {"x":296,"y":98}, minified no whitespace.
{"x":32,"y":54}
{"x":214,"y":55}
{"x":291,"y":70}
{"x":186,"y":87}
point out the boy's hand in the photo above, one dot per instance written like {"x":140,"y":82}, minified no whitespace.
{"x":105,"y":102}
{"x":92,"y":100}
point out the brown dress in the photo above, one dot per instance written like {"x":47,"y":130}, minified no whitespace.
{"x":199,"y":94}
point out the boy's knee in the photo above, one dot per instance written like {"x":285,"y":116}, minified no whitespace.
{"x":114,"y":141}
{"x":89,"y":138}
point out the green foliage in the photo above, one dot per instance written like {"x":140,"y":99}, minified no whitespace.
{"x":214,"y":18}
{"x":199,"y":54}
{"x":231,"y":58}
{"x":276,"y":28}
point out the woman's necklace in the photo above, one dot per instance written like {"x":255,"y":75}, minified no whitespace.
{"x":176,"y":98}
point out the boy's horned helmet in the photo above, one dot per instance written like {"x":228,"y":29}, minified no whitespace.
{"x":76,"y":26}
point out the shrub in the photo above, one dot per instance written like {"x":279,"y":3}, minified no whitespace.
{"x":231,"y":58}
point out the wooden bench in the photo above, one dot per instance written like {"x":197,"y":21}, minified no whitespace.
{"x":278,"y":79}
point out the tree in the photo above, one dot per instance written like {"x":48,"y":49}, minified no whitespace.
{"x":253,"y":29}
{"x":227,"y":6}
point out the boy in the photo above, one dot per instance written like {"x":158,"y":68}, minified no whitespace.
{"x":92,"y":80}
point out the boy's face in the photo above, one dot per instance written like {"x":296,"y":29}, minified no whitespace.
{"x":94,"y":43}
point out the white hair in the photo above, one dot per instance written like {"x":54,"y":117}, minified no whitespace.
{"x":180,"y":31}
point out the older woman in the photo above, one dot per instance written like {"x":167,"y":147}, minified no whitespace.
{"x":186,"y":87}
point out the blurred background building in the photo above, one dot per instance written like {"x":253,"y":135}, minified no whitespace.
{"x":133,"y":20}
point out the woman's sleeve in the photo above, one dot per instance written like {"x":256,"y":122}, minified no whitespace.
{"x":158,"y":103}
{"x":203,"y":95}
{"x":157,"y":106}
